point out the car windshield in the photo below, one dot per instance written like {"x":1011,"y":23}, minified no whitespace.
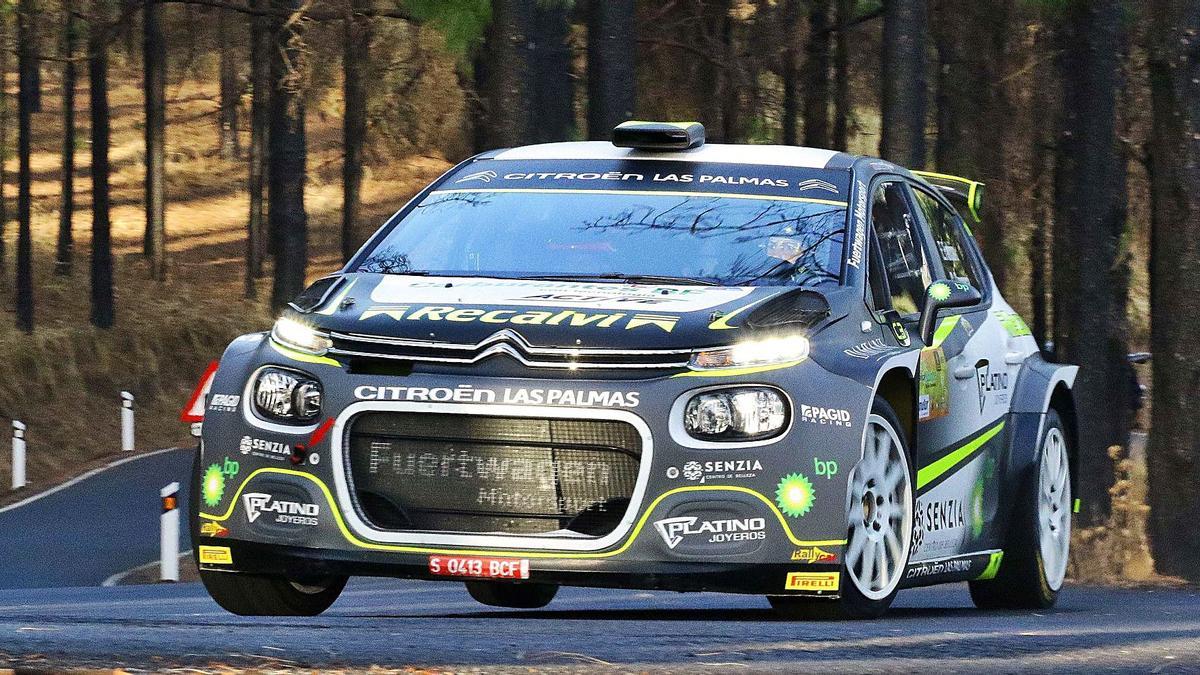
{"x":730,"y":239}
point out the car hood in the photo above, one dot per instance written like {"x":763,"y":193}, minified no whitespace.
{"x":583,"y":314}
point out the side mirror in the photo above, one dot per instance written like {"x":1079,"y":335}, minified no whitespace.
{"x":945,"y":294}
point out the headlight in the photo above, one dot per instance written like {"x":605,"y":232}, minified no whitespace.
{"x":736,"y":414}
{"x":767,"y":352}
{"x":296,"y":335}
{"x":287,"y":396}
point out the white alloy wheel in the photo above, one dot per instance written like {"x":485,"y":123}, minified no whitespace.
{"x":880,"y":512}
{"x":1054,"y":508}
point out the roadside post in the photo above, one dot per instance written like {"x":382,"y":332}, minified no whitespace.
{"x":168,"y":549}
{"x":18,"y":455}
{"x":126,"y":422}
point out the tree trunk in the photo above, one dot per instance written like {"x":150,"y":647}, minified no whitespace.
{"x":260,"y":82}
{"x":790,"y":75}
{"x":1173,"y":457}
{"x":26,"y":64}
{"x":154,"y":63}
{"x":66,"y":211}
{"x":816,"y":76}
{"x":902,"y":103}
{"x":973,"y":109}
{"x":5,"y":48}
{"x":611,"y":66}
{"x":506,"y":88}
{"x":287,"y":158}
{"x":1090,"y":279}
{"x":355,"y":59}
{"x":102,"y":262}
{"x":552,"y":88}
{"x":842,"y":105}
{"x":230,"y":92}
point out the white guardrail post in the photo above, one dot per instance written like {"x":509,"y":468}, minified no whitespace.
{"x":168,"y":549}
{"x":126,"y":421}
{"x":18,"y":455}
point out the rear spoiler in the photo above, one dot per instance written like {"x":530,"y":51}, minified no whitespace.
{"x":965,"y":194}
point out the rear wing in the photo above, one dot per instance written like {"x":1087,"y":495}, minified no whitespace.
{"x":965,"y":194}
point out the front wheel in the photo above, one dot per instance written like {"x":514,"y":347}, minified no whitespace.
{"x":256,"y":595}
{"x":879,"y":507}
{"x":1039,"y":540}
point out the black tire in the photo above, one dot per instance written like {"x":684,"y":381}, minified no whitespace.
{"x":1021,"y":582}
{"x":255,"y":595}
{"x":516,"y":596}
{"x":853,"y":604}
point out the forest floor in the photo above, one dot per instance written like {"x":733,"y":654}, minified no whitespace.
{"x":64,"y":380}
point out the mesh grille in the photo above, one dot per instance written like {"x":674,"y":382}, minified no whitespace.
{"x":461,"y":473}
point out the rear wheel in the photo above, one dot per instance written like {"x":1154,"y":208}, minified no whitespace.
{"x":879,"y":508}
{"x":1035,"y":555}
{"x":517,"y":596}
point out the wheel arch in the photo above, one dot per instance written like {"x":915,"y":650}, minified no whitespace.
{"x":897,"y":386}
{"x":1040,"y":387}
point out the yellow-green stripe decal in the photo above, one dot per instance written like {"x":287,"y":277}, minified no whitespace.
{"x":932,"y":472}
{"x":519,"y":553}
{"x":302,"y":357}
{"x":944,"y":329}
{"x":730,"y":372}
{"x":993,"y":567}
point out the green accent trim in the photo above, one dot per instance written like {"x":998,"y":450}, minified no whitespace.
{"x":302,"y":357}
{"x":1075,"y":507}
{"x":993,"y":567}
{"x":944,"y":329}
{"x":934,"y":471}
{"x":352,"y":539}
{"x":336,"y":302}
{"x":722,"y":322}
{"x":731,"y":372}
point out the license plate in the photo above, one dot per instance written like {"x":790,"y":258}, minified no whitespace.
{"x":484,"y":568}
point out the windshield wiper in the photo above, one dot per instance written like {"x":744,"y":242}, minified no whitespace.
{"x":627,"y":278}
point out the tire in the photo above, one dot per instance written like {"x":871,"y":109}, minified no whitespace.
{"x":1039,"y":538}
{"x":879,"y":507}
{"x":255,"y":595}
{"x":516,"y":596}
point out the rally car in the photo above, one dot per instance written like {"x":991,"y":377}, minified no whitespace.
{"x":653,"y":363}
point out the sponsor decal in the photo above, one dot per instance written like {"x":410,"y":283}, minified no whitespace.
{"x":860,"y":228}
{"x":939,"y":567}
{"x":213,"y":529}
{"x":260,"y":447}
{"x":1012,"y":323}
{"x":474,"y":566}
{"x":875,"y":348}
{"x":711,"y":470}
{"x":933,"y":391}
{"x":567,"y":318}
{"x":286,"y":512}
{"x":825,"y":467}
{"x":212,"y":483}
{"x":485,"y":176}
{"x":817,"y":184}
{"x":224,"y":402}
{"x":812,"y":554}
{"x":936,"y":516}
{"x":939,"y":291}
{"x":215,"y":555}
{"x":673,"y":530}
{"x":410,"y":291}
{"x":816,"y":414}
{"x":993,"y":386}
{"x":465,"y":393}
{"x":795,"y":495}
{"x":901,"y":333}
{"x":812,"y":581}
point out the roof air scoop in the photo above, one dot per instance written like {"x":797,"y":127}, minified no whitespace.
{"x":658,"y":135}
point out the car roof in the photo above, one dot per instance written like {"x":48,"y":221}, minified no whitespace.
{"x":719,"y":153}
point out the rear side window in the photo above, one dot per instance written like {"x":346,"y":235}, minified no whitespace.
{"x":948,"y":238}
{"x":903,"y":258}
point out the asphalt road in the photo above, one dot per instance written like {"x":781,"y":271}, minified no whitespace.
{"x":101,"y":525}
{"x":436,"y":625}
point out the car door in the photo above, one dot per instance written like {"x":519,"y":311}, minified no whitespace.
{"x":959,"y":446}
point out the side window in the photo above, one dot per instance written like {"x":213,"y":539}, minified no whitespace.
{"x":947,"y":239}
{"x":903,"y":259}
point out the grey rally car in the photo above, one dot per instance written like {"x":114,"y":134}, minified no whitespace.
{"x":653,"y":363}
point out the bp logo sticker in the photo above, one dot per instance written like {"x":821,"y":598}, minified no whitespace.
{"x":939,"y":291}
{"x":213,"y":485}
{"x":794,"y":495}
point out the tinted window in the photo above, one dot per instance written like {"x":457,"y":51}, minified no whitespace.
{"x":903,"y":258}
{"x":947,"y":239}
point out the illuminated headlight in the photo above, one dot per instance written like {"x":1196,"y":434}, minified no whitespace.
{"x":767,"y":352}
{"x":296,"y":335}
{"x":736,"y":414}
{"x":287,"y":396}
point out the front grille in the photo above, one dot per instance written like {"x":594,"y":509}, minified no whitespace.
{"x":467,"y":473}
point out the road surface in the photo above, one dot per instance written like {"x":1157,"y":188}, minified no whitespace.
{"x":436,"y":625}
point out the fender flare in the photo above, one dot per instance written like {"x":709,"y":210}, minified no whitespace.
{"x":1037,"y":384}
